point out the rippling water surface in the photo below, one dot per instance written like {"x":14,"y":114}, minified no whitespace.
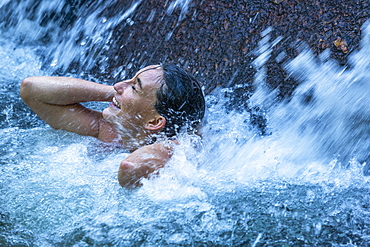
{"x":300,"y":184}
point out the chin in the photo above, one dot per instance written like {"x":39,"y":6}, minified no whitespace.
{"x":109,"y":115}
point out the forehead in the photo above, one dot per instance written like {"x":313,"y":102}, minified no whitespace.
{"x":152,"y":73}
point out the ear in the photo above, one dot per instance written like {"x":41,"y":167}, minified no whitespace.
{"x":156,"y":123}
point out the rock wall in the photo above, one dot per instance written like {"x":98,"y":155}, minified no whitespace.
{"x":215,"y":40}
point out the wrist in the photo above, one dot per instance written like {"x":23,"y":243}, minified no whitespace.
{"x":106,"y":93}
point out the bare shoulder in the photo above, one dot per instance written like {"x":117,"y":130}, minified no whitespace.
{"x":161,"y":150}
{"x":143,"y":162}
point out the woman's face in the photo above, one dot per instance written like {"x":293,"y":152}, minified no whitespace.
{"x":133,"y":102}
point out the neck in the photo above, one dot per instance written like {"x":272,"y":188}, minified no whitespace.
{"x":131,"y":144}
{"x":130,"y":140}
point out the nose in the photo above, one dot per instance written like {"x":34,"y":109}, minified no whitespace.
{"x":121,"y":86}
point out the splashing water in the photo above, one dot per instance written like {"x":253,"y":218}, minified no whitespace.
{"x":302,"y":183}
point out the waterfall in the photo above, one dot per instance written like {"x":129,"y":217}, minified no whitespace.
{"x":299,"y":179}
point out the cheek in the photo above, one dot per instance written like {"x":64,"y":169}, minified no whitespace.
{"x":129,"y":102}
{"x":135,"y":106}
{"x":132,"y":115}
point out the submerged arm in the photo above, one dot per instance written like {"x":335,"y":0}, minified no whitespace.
{"x":56,"y":101}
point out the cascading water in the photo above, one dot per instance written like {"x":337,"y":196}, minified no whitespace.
{"x":301,"y":184}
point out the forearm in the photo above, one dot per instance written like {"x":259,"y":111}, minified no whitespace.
{"x":63,"y":90}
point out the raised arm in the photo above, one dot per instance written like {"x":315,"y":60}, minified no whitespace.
{"x":56,"y":101}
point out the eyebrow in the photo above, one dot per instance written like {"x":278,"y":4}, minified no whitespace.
{"x":137,"y":76}
{"x":139,"y":82}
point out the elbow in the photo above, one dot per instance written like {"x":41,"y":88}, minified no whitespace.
{"x":30,"y":88}
{"x":26,"y":89}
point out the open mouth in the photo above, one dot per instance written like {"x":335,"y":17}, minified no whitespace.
{"x":115,"y":103}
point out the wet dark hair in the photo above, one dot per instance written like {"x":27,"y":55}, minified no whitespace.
{"x":180,"y":100}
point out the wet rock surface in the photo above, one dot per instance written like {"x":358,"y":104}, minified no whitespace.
{"x":216,"y":40}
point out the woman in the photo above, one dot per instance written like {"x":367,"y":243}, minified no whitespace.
{"x":144,"y":116}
